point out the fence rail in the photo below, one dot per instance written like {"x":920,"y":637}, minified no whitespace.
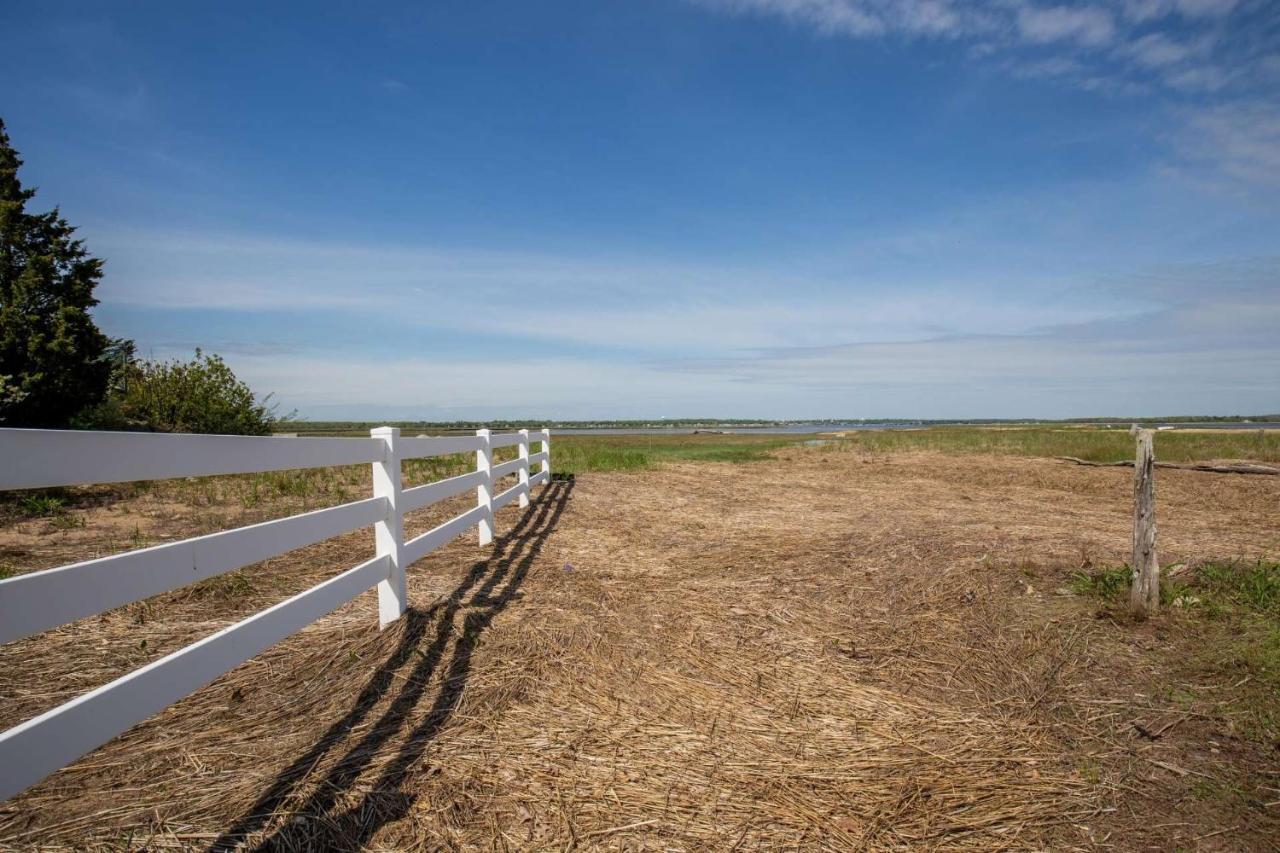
{"x":38,"y":601}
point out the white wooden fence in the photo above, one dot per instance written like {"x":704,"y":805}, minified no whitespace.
{"x":38,"y":601}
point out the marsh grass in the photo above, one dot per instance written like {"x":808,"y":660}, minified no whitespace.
{"x":577,"y":454}
{"x":1094,"y":444}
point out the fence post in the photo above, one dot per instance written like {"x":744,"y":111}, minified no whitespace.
{"x":388,"y":535}
{"x":1144,"y":595}
{"x":524,"y":467}
{"x":484,"y":491}
{"x":546,"y":463}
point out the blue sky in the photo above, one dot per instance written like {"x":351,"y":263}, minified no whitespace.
{"x":738,"y":208}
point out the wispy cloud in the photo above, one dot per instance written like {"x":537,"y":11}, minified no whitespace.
{"x":1211,"y":60}
{"x":1233,"y":146}
{"x":614,"y":336}
{"x":620,"y":302}
{"x":1146,"y":10}
{"x":1089,"y":25}
{"x":1215,"y":357}
{"x":1179,"y":44}
{"x":1157,"y":50}
{"x":1219,"y":353}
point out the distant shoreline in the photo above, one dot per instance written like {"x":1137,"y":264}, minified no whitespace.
{"x":781,"y":427}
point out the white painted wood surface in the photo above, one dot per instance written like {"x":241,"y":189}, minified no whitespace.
{"x":388,"y":532}
{"x":524,"y":467}
{"x":425,"y":495}
{"x":546,"y":453}
{"x":43,"y":458}
{"x":422,"y":545}
{"x":505,"y":440}
{"x":504,"y":498}
{"x":39,"y":601}
{"x":506,"y":469}
{"x":36,"y":748}
{"x":484,"y":491}
{"x":437,"y":445}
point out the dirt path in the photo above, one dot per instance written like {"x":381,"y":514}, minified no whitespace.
{"x":826,"y":651}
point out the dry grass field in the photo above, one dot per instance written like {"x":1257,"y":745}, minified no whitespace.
{"x":830,"y":647}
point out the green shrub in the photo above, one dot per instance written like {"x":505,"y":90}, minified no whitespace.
{"x":202,"y":395}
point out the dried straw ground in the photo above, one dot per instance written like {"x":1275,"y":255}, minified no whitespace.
{"x":825,"y":651}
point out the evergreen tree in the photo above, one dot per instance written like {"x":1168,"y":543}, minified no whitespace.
{"x":53,"y":361}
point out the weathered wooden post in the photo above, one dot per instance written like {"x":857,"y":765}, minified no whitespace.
{"x":1144,"y":595}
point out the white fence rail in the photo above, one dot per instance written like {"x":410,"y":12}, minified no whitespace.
{"x":38,"y":601}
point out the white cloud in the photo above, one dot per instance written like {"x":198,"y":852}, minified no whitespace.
{"x":1219,"y":357}
{"x":844,"y":17}
{"x":615,"y":338}
{"x":634,"y":304}
{"x":1156,"y":50}
{"x":1147,"y":10}
{"x":486,"y":388}
{"x":1088,"y":25}
{"x":869,"y":18}
{"x":1205,"y":78}
{"x":1221,"y":354}
{"x":1177,"y":44}
{"x":1239,"y":143}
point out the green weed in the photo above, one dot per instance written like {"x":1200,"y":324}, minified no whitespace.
{"x":66,"y":521}
{"x":1107,"y":584}
{"x":41,"y":505}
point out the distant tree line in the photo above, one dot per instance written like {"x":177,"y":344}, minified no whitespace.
{"x":58,"y":369}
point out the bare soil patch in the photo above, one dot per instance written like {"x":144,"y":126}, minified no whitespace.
{"x":833,"y":649}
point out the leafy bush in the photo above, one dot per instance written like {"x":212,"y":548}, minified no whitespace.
{"x":202,"y":395}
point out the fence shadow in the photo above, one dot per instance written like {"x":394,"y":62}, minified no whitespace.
{"x":318,"y":823}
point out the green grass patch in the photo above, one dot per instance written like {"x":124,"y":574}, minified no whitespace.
{"x":1228,"y":625}
{"x":1252,"y":585}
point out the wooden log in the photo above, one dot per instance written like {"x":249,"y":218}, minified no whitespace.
{"x":1232,"y":468}
{"x":1144,"y":594}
